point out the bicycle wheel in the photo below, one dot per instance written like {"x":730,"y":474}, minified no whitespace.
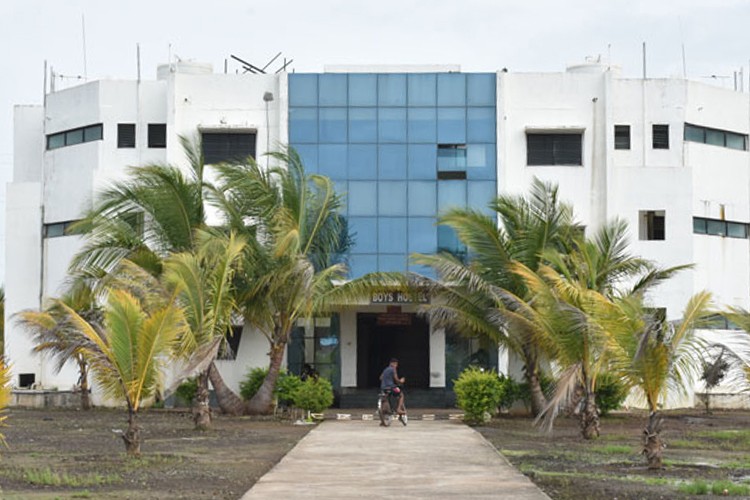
{"x":384,"y":411}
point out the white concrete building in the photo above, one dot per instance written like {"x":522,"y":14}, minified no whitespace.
{"x":670,"y":156}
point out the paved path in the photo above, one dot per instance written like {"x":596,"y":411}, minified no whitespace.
{"x":359,"y":459}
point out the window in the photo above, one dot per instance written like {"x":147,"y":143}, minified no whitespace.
{"x":622,"y":136}
{"x":715,"y":227}
{"x":660,"y":136}
{"x":126,"y":135}
{"x":57,"y":229}
{"x":74,"y":136}
{"x":230,"y":348}
{"x":26,"y":380}
{"x":221,"y":147}
{"x":157,"y":135}
{"x":715,"y":137}
{"x":651,"y":225}
{"x":554,"y":149}
{"x":451,"y":159}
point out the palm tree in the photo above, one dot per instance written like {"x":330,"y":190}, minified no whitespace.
{"x":294,"y":234}
{"x":54,"y":335}
{"x":203,"y":281}
{"x":473,"y":297}
{"x":573,"y":296}
{"x":126,"y":355}
{"x":658,"y":358}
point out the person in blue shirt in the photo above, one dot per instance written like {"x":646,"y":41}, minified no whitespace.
{"x":391,"y":383}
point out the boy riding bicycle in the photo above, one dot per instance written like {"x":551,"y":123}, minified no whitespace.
{"x":390,"y":384}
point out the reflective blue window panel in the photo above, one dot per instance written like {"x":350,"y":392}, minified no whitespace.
{"x":422,"y":89}
{"x":332,"y":160}
{"x":451,"y":125}
{"x":308,"y":153}
{"x":480,"y":162}
{"x":359,"y":265}
{"x":422,"y":198}
{"x":392,"y":125}
{"x":448,"y":240}
{"x":363,"y":125}
{"x":363,"y":90}
{"x":392,"y":161}
{"x":332,"y":125}
{"x":362,"y":198}
{"x":451,"y":194}
{"x":451,"y":158}
{"x":392,"y":198}
{"x":422,"y":161}
{"x":481,"y":89}
{"x":303,"y":90}
{"x":422,"y":125}
{"x":422,"y":235}
{"x":363,"y":161}
{"x":364,"y":231}
{"x":392,"y":90}
{"x":341,"y":187}
{"x":480,"y":194}
{"x":303,"y":125}
{"x":332,"y":89}
{"x":480,"y":125}
{"x":392,"y":263}
{"x":392,"y":235}
{"x":451,"y":89}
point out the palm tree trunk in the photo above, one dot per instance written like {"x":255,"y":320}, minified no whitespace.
{"x":652,"y":442}
{"x":590,"y":417}
{"x":83,"y":370}
{"x":229,"y":402}
{"x":201,"y":410}
{"x":531,"y":374}
{"x":262,"y":402}
{"x":132,"y":436}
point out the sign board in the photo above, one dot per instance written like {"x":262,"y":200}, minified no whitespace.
{"x":394,"y":319}
{"x":399,"y":298}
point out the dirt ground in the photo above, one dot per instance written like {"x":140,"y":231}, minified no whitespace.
{"x":76,"y":454}
{"x":703,"y":452}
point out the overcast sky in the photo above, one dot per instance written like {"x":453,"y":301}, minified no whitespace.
{"x":480,"y":35}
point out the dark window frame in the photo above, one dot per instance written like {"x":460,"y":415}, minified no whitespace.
{"x":554,"y":149}
{"x":723,"y":228}
{"x":622,"y":137}
{"x":88,"y":133}
{"x":660,"y":136}
{"x":157,"y":135}
{"x":126,"y":135}
{"x":57,"y":229}
{"x":699,"y":134}
{"x":655,"y":222}
{"x":231,"y":148}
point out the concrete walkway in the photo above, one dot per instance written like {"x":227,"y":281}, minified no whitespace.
{"x":427,"y":459}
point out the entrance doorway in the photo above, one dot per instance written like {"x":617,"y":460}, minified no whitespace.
{"x":382,"y":336}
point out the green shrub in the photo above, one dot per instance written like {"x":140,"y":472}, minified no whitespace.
{"x":510,"y":394}
{"x":314,"y":395}
{"x":478,"y":393}
{"x":610,"y":393}
{"x":186,"y":391}
{"x":286,"y":384}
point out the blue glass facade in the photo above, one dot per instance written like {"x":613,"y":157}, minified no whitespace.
{"x":403,"y":147}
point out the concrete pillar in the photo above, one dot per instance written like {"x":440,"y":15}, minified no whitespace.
{"x":437,"y":357}
{"x":348,"y":350}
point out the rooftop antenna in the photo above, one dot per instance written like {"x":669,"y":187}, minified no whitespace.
{"x":138,"y":59}
{"x":83,"y":36}
{"x":682,"y":40}
{"x":251,"y":68}
{"x":644,"y":60}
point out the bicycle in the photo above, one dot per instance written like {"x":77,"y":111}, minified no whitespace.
{"x":387,"y":401}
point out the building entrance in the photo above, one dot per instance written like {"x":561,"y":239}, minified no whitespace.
{"x":381,"y":336}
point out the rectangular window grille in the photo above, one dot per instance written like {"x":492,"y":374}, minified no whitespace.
{"x":715,"y":227}
{"x":622,"y":136}
{"x":651,"y":225}
{"x":715,"y":137}
{"x":554,"y":149}
{"x":660,"y":136}
{"x":57,"y":229}
{"x":157,"y":135}
{"x":126,"y":135}
{"x":451,"y":158}
{"x":221,"y":147}
{"x":75,"y":136}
